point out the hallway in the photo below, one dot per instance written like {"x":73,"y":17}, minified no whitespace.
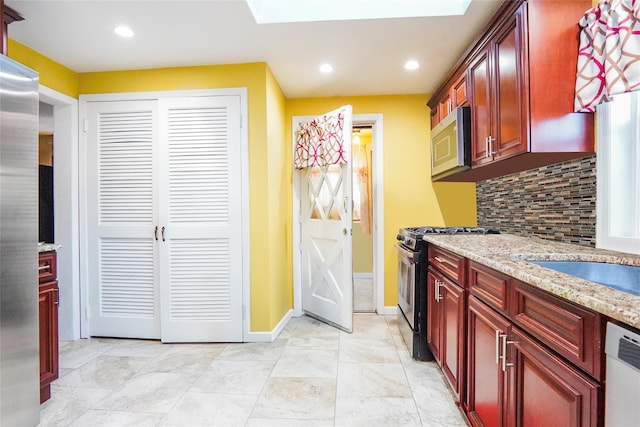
{"x":312,"y":375}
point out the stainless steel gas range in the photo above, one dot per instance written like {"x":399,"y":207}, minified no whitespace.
{"x":412,"y":283}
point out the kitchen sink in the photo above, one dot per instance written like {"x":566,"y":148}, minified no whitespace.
{"x":617,"y":276}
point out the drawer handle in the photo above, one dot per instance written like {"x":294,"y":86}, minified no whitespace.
{"x":437,"y":258}
{"x":43,"y":267}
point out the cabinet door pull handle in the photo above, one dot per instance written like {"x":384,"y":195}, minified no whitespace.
{"x":487,"y":152}
{"x":504,"y":352}
{"x":162,"y":232}
{"x":43,"y":267}
{"x":437,"y":258}
{"x":497,"y":347}
{"x":438,"y":297}
{"x":491,"y":153}
{"x":155,"y":232}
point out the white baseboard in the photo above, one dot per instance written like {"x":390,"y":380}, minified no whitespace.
{"x":272,"y":335}
{"x":363,"y":275}
{"x":389,"y":310}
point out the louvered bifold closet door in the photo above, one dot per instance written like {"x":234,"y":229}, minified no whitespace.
{"x":121,"y":215}
{"x":200,"y":208}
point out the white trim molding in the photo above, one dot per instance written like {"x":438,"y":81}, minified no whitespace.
{"x":66,"y":200}
{"x":618,"y":174}
{"x":271,"y":335}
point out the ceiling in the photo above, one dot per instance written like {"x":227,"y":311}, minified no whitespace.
{"x":368,"y":56}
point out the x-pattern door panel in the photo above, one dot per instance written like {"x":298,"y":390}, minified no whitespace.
{"x":326,"y":241}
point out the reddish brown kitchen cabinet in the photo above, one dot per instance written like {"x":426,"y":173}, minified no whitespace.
{"x":515,"y":381}
{"x":435,"y":118}
{"x":545,"y":390}
{"x":486,"y":381}
{"x":521,"y":91}
{"x":446,"y":308}
{"x":575,"y":333}
{"x":453,"y":98}
{"x":48,"y":322}
{"x":446,"y":327}
{"x":459,"y":91}
{"x":434,"y":322}
{"x":499,"y":110}
{"x":8,"y":16}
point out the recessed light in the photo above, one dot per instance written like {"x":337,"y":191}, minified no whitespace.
{"x":326,"y":68}
{"x":411,"y":65}
{"x":123,"y":31}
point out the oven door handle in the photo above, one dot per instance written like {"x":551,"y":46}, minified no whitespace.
{"x":410,"y":255}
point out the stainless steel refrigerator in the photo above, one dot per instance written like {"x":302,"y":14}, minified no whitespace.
{"x":19,"y":359}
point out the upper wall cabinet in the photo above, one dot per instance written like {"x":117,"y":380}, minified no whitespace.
{"x":8,"y":16}
{"x":519,"y":79}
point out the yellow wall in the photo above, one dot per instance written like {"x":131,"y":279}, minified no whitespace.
{"x":362,"y":250}
{"x":410,"y":199}
{"x":52,"y":75}
{"x":279,"y":200}
{"x":409,"y":196}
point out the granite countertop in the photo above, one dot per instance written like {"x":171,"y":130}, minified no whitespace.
{"x":508,"y":254}
{"x":48,"y":247}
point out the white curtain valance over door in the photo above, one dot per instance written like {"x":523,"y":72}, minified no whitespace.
{"x":609,"y":53}
{"x":320,"y":142}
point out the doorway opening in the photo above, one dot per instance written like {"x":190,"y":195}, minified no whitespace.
{"x":46,"y":228}
{"x":362,"y":241}
{"x":370,"y":283}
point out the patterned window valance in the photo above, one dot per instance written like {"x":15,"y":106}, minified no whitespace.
{"x":320,"y":142}
{"x":609,"y":54}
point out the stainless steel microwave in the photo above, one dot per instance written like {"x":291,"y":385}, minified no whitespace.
{"x":451,"y":144}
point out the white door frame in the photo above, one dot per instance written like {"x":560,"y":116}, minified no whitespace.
{"x":66,"y":199}
{"x":375,"y":121}
{"x":246,"y":237}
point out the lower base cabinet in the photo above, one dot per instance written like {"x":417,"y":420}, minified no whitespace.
{"x":48,"y":323}
{"x":486,"y":384}
{"x":546,"y":390}
{"x":515,"y":381}
{"x":445,"y":328}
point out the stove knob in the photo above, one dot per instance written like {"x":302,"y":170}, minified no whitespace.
{"x":400,"y":238}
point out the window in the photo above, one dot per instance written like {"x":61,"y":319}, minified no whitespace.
{"x":618,"y":173}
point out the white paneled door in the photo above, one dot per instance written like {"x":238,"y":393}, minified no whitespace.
{"x":122,"y":204}
{"x":164,"y":238}
{"x":326,"y":222}
{"x":200,"y":196}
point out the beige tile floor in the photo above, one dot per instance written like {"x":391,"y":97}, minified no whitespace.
{"x":363,"y":295}
{"x":312,"y":375}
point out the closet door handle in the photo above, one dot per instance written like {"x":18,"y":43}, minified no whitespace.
{"x":162,"y":232}
{"x":155,"y":232}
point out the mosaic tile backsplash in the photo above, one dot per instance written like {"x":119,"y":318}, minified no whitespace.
{"x":556,"y":202}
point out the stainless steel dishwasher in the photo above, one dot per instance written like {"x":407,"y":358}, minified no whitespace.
{"x":622,"y":393}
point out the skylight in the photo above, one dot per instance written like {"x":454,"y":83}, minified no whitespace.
{"x":281,"y":11}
